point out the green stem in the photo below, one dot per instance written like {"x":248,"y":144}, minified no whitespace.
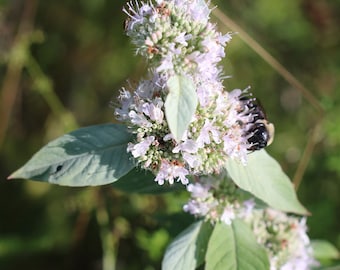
{"x":107,"y":238}
{"x":44,"y":86}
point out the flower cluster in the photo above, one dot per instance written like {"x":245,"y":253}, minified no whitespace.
{"x":284,"y":237}
{"x":215,"y":198}
{"x":177,"y":39}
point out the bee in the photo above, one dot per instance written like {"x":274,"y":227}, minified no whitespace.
{"x":260,"y":132}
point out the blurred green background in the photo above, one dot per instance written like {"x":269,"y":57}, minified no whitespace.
{"x":61,"y":65}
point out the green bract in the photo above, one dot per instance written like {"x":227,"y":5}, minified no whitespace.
{"x":180,"y":105}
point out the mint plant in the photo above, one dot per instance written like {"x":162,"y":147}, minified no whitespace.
{"x":182,"y":125}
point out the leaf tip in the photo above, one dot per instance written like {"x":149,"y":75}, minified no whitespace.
{"x":299,"y":211}
{"x":11,"y":177}
{"x":307,"y":213}
{"x":15,"y":175}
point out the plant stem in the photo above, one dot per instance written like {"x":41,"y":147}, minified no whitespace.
{"x":107,"y":238}
{"x":44,"y":86}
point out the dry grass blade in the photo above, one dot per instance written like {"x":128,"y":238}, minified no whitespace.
{"x":312,"y":140}
{"x":268,"y":58}
{"x":11,"y":82}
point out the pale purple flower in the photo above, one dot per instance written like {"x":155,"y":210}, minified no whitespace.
{"x":166,"y":63}
{"x":234,"y":95}
{"x":168,"y":137}
{"x":208,"y":130}
{"x":248,"y":207}
{"x":122,"y":113}
{"x":194,"y":161}
{"x":139,"y":119}
{"x":188,"y":146}
{"x":228,"y":214}
{"x":286,"y":243}
{"x":154,"y":112}
{"x":199,"y":190}
{"x":214,"y":49}
{"x":176,"y":38}
{"x":171,"y":172}
{"x":223,"y":39}
{"x":182,"y":38}
{"x":198,"y":9}
{"x":136,"y":13}
{"x":147,"y":88}
{"x":197,"y":208}
{"x":208,"y":91}
{"x":140,"y":149}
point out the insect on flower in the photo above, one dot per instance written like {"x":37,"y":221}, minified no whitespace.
{"x":260,"y":132}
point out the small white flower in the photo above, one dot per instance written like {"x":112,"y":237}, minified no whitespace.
{"x":176,"y":38}
{"x":168,"y":137}
{"x":228,"y":215}
{"x":166,"y":63}
{"x":139,"y":119}
{"x":198,"y":190}
{"x":171,"y":172}
{"x":155,"y":113}
{"x":196,"y":208}
{"x":207,"y":130}
{"x":248,"y":207}
{"x":136,"y":13}
{"x":193,"y":161}
{"x":182,"y":38}
{"x":197,"y":9}
{"x":189,"y":146}
{"x":140,"y":149}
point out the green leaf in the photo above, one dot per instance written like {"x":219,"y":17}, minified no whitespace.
{"x":89,"y":156}
{"x":234,"y":247}
{"x":188,"y":249}
{"x":180,"y":104}
{"x":323,"y":250}
{"x":334,"y":267}
{"x":264,"y":178}
{"x":141,"y":181}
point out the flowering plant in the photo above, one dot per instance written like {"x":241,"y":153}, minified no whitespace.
{"x":183,"y":126}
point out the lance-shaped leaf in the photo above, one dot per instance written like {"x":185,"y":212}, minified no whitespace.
{"x":264,"y":178}
{"x":188,"y":249}
{"x":180,"y":104}
{"x":234,"y":247}
{"x":89,"y":156}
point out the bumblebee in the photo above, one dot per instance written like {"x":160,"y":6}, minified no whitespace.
{"x":259,"y":131}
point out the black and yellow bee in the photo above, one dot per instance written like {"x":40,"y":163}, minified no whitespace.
{"x":259,"y":132}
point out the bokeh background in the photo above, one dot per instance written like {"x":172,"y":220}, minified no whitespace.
{"x":61,"y":66}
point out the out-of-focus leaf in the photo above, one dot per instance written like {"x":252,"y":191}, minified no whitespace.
{"x":323,"y":250}
{"x":234,"y":247}
{"x":188,"y":249}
